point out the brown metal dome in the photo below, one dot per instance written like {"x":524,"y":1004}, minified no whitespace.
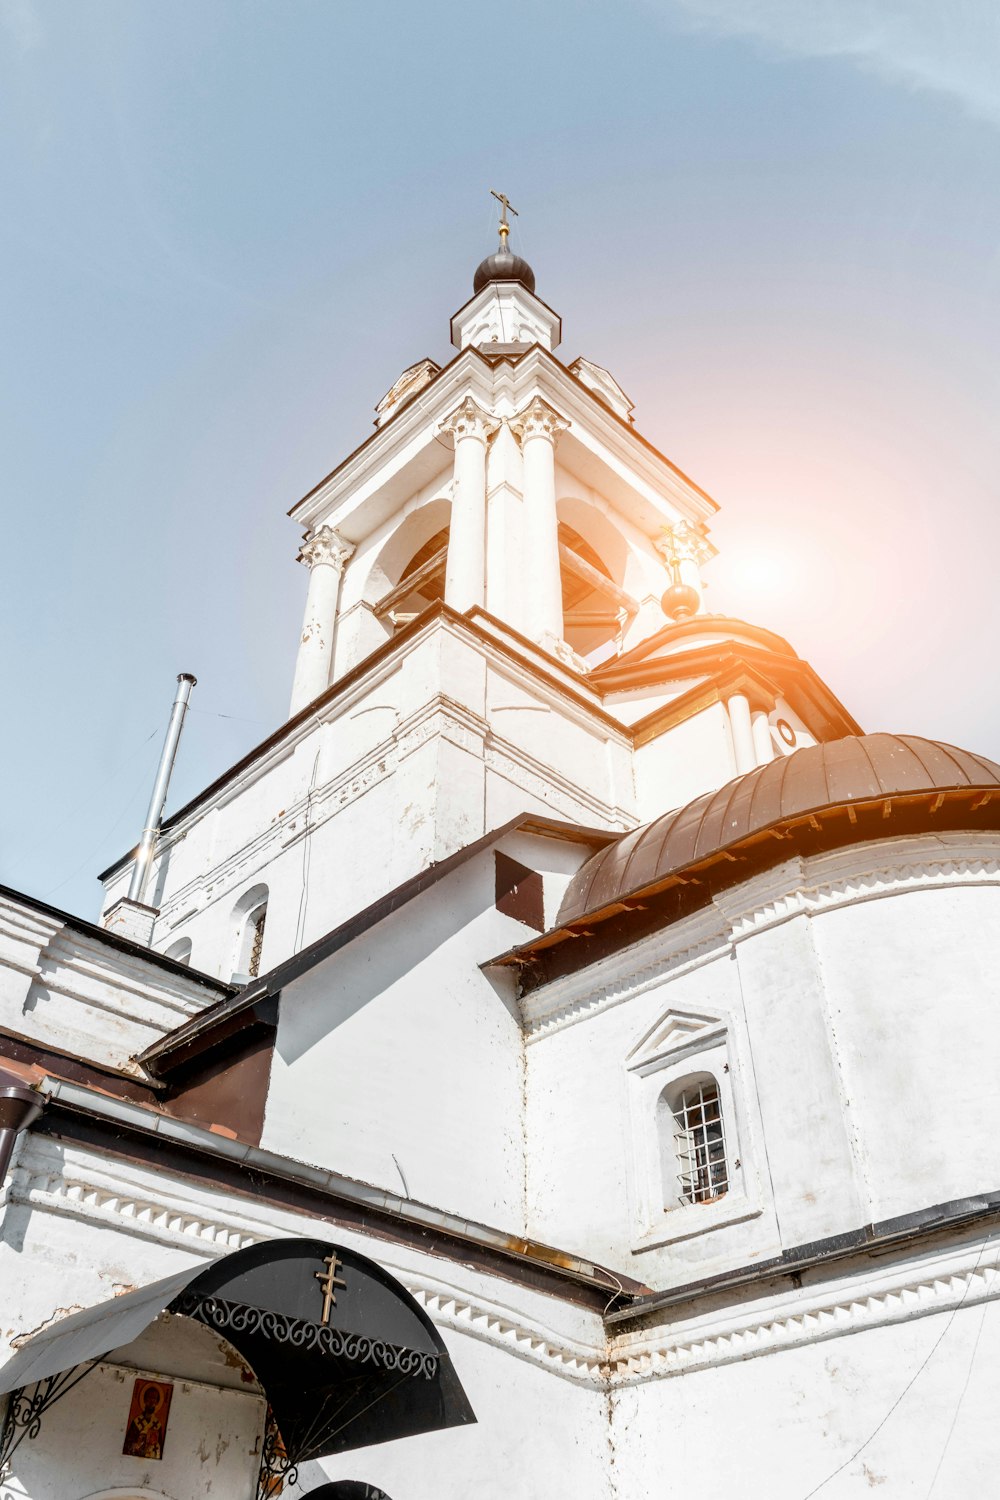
{"x":862,"y":770}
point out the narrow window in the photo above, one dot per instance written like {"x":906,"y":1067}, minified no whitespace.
{"x":249,"y":919}
{"x":699,"y":1140}
{"x":255,"y":933}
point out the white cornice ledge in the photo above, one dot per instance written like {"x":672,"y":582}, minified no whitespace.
{"x":797,"y":887}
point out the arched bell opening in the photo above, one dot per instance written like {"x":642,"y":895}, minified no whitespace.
{"x":407,"y":577}
{"x":593,"y":557}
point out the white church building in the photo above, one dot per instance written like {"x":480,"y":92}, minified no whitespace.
{"x":556,"y":1063}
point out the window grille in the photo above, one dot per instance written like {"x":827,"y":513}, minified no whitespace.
{"x":701,"y":1143}
{"x":257,"y":920}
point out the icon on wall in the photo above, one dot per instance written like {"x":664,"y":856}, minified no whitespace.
{"x":147,"y":1419}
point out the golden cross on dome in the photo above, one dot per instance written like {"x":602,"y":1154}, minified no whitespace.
{"x":506,"y":207}
{"x":328,"y":1280}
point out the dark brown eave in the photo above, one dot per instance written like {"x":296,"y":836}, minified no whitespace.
{"x":679,"y":892}
{"x":116,"y":941}
{"x":241,"y":1171}
{"x":835,"y":1254}
{"x":246,"y":1008}
{"x":402,"y":638}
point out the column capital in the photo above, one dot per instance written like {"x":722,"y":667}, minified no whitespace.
{"x":683,"y":542}
{"x":469,"y":420}
{"x":537,"y":419}
{"x":325,"y":546}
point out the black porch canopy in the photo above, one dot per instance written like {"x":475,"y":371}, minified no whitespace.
{"x":344,"y":1355}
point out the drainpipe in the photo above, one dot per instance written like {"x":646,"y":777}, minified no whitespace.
{"x":147,"y":844}
{"x":20,"y":1104}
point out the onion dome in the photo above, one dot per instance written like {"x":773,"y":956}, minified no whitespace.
{"x":503,"y":265}
{"x":680,"y":601}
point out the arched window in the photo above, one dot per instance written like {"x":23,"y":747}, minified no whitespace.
{"x":180,"y":951}
{"x":693,"y":1141}
{"x":250,"y":914}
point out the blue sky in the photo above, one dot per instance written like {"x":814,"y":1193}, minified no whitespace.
{"x":228,"y":227}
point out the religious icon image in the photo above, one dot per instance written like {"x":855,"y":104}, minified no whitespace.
{"x":147,"y":1419}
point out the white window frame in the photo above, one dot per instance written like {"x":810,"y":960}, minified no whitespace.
{"x":686,"y":1044}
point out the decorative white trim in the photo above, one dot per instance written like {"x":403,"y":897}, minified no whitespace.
{"x":123,"y":1200}
{"x":129,"y":1201}
{"x":683,"y":1043}
{"x":964,"y":1277}
{"x":798,"y":887}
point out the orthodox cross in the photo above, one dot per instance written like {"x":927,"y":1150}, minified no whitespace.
{"x":329,"y":1279}
{"x":506,"y":207}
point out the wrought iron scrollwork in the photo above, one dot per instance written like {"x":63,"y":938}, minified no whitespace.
{"x":28,"y":1404}
{"x":237,"y":1317}
{"x":276,"y":1468}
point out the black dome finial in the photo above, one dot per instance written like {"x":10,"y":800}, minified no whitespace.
{"x":503,"y":265}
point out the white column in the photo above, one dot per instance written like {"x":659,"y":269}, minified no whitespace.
{"x":536,"y":428}
{"x":738,"y":706}
{"x":465,"y":569}
{"x":762,"y":743}
{"x":324,"y":553}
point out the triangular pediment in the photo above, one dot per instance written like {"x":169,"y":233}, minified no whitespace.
{"x":675,"y":1033}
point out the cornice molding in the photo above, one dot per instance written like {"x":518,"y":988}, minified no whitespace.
{"x":440,"y":717}
{"x":798,"y":887}
{"x":935,"y":1284}
{"x":111,"y":1196}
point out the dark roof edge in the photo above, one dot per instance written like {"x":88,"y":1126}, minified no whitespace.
{"x":115,"y":940}
{"x":243,"y":1169}
{"x":883,"y":1233}
{"x":339,"y":937}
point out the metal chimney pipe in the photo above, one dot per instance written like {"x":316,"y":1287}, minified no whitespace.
{"x":144,"y":858}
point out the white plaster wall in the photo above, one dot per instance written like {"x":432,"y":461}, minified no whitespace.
{"x":68,"y":989}
{"x":776,"y":1428}
{"x":399,"y":1050}
{"x":862,"y":1035}
{"x":805,"y":1109}
{"x":536,"y":1436}
{"x":581,"y":1113}
{"x":211,"y":1450}
{"x":416,"y":762}
{"x":695,"y":756}
{"x":913,"y":988}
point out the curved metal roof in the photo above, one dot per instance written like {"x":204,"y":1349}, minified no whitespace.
{"x":859,"y":769}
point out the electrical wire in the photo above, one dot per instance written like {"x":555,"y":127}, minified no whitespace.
{"x":961,"y":1398}
{"x":911,"y":1382}
{"x":237,"y":718}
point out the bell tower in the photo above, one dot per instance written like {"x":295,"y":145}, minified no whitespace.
{"x":506,"y":483}
{"x":504,"y":619}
